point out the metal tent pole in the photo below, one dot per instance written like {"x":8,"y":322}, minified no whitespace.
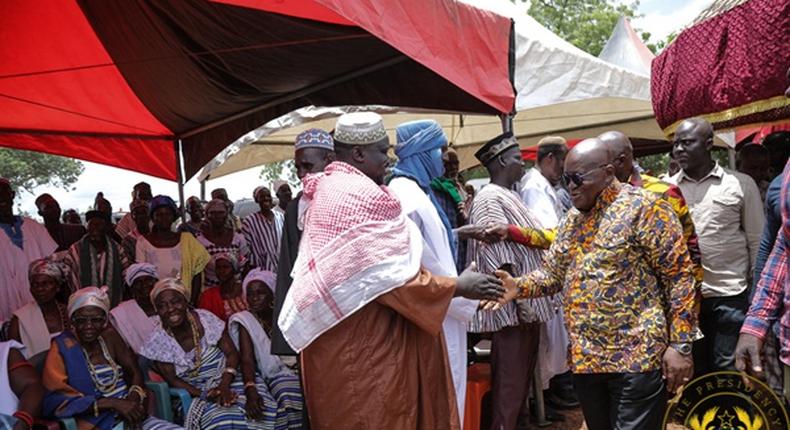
{"x":507,"y":122}
{"x":180,"y":178}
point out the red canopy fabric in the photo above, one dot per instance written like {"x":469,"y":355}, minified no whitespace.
{"x":118,"y":82}
{"x":729,"y":69}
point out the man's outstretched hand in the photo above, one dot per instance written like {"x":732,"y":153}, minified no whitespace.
{"x":511,"y":291}
{"x":474,"y":285}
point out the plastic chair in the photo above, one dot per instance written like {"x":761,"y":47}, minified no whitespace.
{"x":478,"y":384}
{"x":183,"y":395}
{"x":162,"y":396}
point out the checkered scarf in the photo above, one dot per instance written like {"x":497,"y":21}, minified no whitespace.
{"x":357,"y":245}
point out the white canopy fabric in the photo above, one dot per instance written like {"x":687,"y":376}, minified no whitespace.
{"x":560,"y":90}
{"x":625,"y":49}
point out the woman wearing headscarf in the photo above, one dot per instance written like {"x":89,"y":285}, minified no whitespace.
{"x":419,"y":150}
{"x":91,"y":375}
{"x":136,"y":319}
{"x":36,"y":323}
{"x":225,"y":299}
{"x":175,"y":255}
{"x":256,"y":358}
{"x":192,"y":351}
{"x":218,"y":238}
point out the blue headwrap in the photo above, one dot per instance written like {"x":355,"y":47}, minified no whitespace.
{"x":419,"y":151}
{"x":163,"y":201}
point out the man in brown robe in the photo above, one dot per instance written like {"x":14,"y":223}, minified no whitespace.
{"x":366,"y":318}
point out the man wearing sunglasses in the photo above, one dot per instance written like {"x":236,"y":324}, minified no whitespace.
{"x":621,"y":261}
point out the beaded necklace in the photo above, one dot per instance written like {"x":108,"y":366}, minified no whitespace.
{"x":116,"y":373}
{"x":195,"y":340}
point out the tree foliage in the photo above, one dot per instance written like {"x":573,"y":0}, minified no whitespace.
{"x":587,"y":24}
{"x":27,"y":170}
{"x":281,"y":170}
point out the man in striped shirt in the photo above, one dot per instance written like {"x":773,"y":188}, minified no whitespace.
{"x":262,"y":231}
{"x":515,"y":326}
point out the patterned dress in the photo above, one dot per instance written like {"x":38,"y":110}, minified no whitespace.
{"x":202,"y":414}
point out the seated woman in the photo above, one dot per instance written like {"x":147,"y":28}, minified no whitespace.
{"x":225,"y":299}
{"x":192,"y":351}
{"x":136,"y":319}
{"x":173,"y":254}
{"x":91,"y":375}
{"x":36,"y":323}
{"x":20,"y":389}
{"x":256,"y":357}
{"x":218,"y":238}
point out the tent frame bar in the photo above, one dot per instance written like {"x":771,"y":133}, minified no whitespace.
{"x":180,"y":178}
{"x":299,"y":93}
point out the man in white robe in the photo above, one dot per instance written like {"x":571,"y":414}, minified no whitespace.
{"x":419,"y":148}
{"x":22,"y":241}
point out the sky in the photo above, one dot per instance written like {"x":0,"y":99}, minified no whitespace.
{"x":661,"y":17}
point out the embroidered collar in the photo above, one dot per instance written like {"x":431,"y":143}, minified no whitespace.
{"x":14,"y":231}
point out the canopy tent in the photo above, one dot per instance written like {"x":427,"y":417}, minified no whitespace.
{"x":626,"y":49}
{"x":729,"y":68}
{"x":122,"y":82}
{"x":559,"y":90}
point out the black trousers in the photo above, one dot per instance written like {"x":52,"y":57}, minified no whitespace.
{"x":622,"y":401}
{"x":720,"y":320}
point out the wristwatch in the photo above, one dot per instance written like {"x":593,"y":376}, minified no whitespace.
{"x":682,"y":348}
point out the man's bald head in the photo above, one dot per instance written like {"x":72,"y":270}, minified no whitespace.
{"x":589,"y":171}
{"x":621,"y":152}
{"x":692,"y":144}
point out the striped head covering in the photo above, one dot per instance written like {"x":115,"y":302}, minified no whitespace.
{"x":314,"y":138}
{"x":265,"y":276}
{"x":89,"y":296}
{"x":168,"y":284}
{"x":53,"y":269}
{"x":138,"y":270}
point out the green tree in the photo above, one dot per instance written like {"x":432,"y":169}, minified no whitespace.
{"x":27,"y":170}
{"x":280,"y":170}
{"x":587,"y":24}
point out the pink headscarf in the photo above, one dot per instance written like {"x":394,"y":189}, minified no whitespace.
{"x":265,"y":276}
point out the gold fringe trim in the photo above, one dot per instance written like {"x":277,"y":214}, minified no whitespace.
{"x":736,"y":112}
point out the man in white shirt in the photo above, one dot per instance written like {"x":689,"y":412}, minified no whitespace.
{"x":22,"y":240}
{"x":728,"y":217}
{"x":538,"y":190}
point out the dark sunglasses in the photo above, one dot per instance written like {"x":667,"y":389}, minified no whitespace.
{"x":578,"y":178}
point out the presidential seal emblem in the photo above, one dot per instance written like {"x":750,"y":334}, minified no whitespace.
{"x":724,"y":401}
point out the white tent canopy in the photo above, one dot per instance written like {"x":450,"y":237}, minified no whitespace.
{"x":560,"y":90}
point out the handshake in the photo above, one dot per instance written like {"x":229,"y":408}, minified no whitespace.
{"x":489,"y":234}
{"x":492,"y":291}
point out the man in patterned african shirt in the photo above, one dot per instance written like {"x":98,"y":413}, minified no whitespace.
{"x":621,"y":260}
